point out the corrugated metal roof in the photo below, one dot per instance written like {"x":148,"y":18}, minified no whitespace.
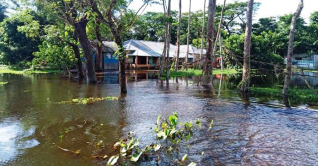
{"x":109,"y":47}
{"x":147,"y":48}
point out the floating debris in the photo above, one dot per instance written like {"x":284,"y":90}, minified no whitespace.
{"x":89,"y":100}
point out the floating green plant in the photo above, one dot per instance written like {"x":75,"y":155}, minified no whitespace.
{"x":3,"y":83}
{"x":89,"y":100}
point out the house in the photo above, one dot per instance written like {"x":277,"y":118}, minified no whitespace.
{"x":304,"y":61}
{"x":110,"y":61}
{"x":145,"y":54}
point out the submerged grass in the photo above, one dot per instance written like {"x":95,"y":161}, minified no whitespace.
{"x":196,"y":72}
{"x":295,"y":95}
{"x":10,"y":70}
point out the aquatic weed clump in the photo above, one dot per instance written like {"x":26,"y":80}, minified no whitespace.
{"x":3,"y":83}
{"x":171,"y":135}
{"x":89,"y":100}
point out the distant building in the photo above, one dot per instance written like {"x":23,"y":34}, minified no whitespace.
{"x":146,"y":54}
{"x":110,"y":61}
{"x":305,"y":61}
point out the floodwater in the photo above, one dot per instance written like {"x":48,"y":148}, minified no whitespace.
{"x":33,"y":128}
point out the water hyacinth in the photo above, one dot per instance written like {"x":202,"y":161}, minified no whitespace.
{"x":89,"y":100}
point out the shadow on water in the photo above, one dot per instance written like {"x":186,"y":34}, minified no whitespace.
{"x":249,"y":131}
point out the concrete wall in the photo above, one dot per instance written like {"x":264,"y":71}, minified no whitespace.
{"x":315,"y":61}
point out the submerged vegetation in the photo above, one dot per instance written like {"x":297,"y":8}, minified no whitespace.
{"x":297,"y":95}
{"x":196,"y":72}
{"x":3,"y":83}
{"x":171,"y":137}
{"x":10,"y":70}
{"x":89,"y":100}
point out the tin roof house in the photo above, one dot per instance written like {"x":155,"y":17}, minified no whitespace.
{"x":145,"y":54}
{"x":110,"y":61}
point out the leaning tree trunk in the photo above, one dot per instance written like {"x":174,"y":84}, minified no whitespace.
{"x":247,"y":49}
{"x":178,"y":36}
{"x":188,"y":36}
{"x":210,"y":36}
{"x":202,"y":36}
{"x":290,"y":51}
{"x":87,"y":49}
{"x":218,"y":34}
{"x":99,"y":55}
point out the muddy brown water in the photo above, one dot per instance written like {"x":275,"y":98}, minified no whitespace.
{"x":250,"y":132}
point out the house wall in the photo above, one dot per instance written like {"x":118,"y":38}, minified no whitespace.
{"x":315,"y":61}
{"x":110,"y":62}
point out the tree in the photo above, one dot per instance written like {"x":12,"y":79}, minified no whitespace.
{"x":178,"y":36}
{"x":119,"y":20}
{"x":247,"y":49}
{"x":17,"y":47}
{"x":202,"y":35}
{"x":290,"y":51}
{"x":188,"y":35}
{"x":208,"y":70}
{"x":99,"y":52}
{"x":2,"y":12}
{"x":168,"y":39}
{"x":265,"y":25}
{"x":75,"y":13}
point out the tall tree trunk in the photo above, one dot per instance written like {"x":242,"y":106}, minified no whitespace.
{"x":86,"y":46}
{"x":178,"y":36}
{"x":247,"y":49}
{"x":168,"y":39}
{"x":78,"y":56}
{"x":218,"y":34}
{"x":122,"y":62}
{"x":208,"y":70}
{"x":188,"y":35}
{"x":99,"y":55}
{"x":290,"y":51}
{"x":202,"y":36}
{"x":79,"y":61}
{"x":163,"y":57}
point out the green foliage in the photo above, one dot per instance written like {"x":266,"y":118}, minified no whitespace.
{"x":296,"y":96}
{"x":3,"y":83}
{"x":89,"y":100}
{"x":2,"y":12}
{"x":54,"y":54}
{"x":196,"y":72}
{"x":262,"y":52}
{"x":12,"y":70}
{"x":15,"y":46}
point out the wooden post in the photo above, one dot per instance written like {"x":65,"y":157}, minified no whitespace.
{"x":136,"y":62}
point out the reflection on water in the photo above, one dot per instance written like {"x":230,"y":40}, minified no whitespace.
{"x":32,"y":127}
{"x":14,"y":138}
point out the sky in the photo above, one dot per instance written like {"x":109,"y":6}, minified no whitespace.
{"x":268,"y":8}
